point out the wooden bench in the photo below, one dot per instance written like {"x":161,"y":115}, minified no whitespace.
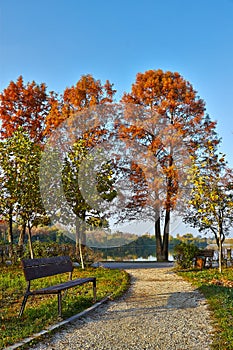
{"x":201,"y":258}
{"x":45,"y":267}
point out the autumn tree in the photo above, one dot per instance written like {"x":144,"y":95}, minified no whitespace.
{"x":171,"y":125}
{"x":24,"y":105}
{"x":86,"y":93}
{"x":210,"y":207}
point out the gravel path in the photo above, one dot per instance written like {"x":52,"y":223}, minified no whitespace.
{"x":160,"y":311}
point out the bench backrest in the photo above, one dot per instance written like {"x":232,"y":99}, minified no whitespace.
{"x":207,"y":253}
{"x":44,"y":267}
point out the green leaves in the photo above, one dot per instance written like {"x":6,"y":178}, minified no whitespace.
{"x":84,"y":195}
{"x":20,"y":191}
{"x":211,"y":202}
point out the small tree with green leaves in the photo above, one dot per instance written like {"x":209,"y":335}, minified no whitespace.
{"x":20,"y":195}
{"x":82,"y":197}
{"x":210,"y":207}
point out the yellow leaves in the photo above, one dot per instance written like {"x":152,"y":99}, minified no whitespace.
{"x":214,"y":197}
{"x":206,"y":221}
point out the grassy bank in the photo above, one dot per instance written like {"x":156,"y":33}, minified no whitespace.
{"x":218,"y":290}
{"x":41,"y":311}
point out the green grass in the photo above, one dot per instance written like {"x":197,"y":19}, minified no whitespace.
{"x":41,"y":311}
{"x":218,"y":290}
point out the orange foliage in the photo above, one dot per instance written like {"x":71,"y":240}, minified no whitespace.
{"x":174,"y":126}
{"x":86,"y":93}
{"x":169,"y":95}
{"x":26,"y":106}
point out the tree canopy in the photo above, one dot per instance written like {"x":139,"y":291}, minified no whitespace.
{"x":86,"y":93}
{"x":24,"y":105}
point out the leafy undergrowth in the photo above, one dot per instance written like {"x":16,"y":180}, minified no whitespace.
{"x":218,"y":290}
{"x":41,"y":311}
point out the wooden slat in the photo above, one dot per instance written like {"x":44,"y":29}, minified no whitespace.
{"x":44,"y":261}
{"x":44,"y":267}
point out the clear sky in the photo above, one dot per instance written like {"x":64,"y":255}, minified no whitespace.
{"x":57,"y":41}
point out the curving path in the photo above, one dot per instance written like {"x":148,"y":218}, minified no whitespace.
{"x":160,"y":311}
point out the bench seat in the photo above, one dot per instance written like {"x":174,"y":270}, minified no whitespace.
{"x":61,"y":286}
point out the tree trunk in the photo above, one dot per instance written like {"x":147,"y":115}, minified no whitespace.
{"x":162,"y":242}
{"x":158,"y":240}
{"x":10,"y":234}
{"x":30,"y":242}
{"x":81,"y":253}
{"x":78,"y":242}
{"x":166,"y":234}
{"x":21,"y":239}
{"x":220,"y":249}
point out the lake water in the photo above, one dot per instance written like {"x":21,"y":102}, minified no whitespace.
{"x":153,"y":258}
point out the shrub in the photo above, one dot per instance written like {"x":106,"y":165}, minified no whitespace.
{"x":184,"y":253}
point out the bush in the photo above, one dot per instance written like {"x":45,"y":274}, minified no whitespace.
{"x":184,"y":253}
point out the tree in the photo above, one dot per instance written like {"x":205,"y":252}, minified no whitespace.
{"x":8,"y":197}
{"x":72,"y":106}
{"x":78,"y":188}
{"x":173,"y":126}
{"x":24,"y":105}
{"x":210,"y":207}
{"x":20,"y":195}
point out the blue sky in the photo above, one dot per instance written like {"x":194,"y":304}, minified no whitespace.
{"x":57,"y":41}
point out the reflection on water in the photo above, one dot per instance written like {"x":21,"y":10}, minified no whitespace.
{"x":153,"y":258}
{"x":140,"y":250}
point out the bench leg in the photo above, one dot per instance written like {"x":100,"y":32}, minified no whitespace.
{"x":59,"y":299}
{"x":23,"y":305}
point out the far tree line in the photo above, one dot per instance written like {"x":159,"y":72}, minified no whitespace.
{"x":49,"y":241}
{"x":117,"y":245}
{"x":188,"y":175}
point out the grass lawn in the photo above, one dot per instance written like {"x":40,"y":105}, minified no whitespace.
{"x":218,"y":290}
{"x":41,"y":311}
